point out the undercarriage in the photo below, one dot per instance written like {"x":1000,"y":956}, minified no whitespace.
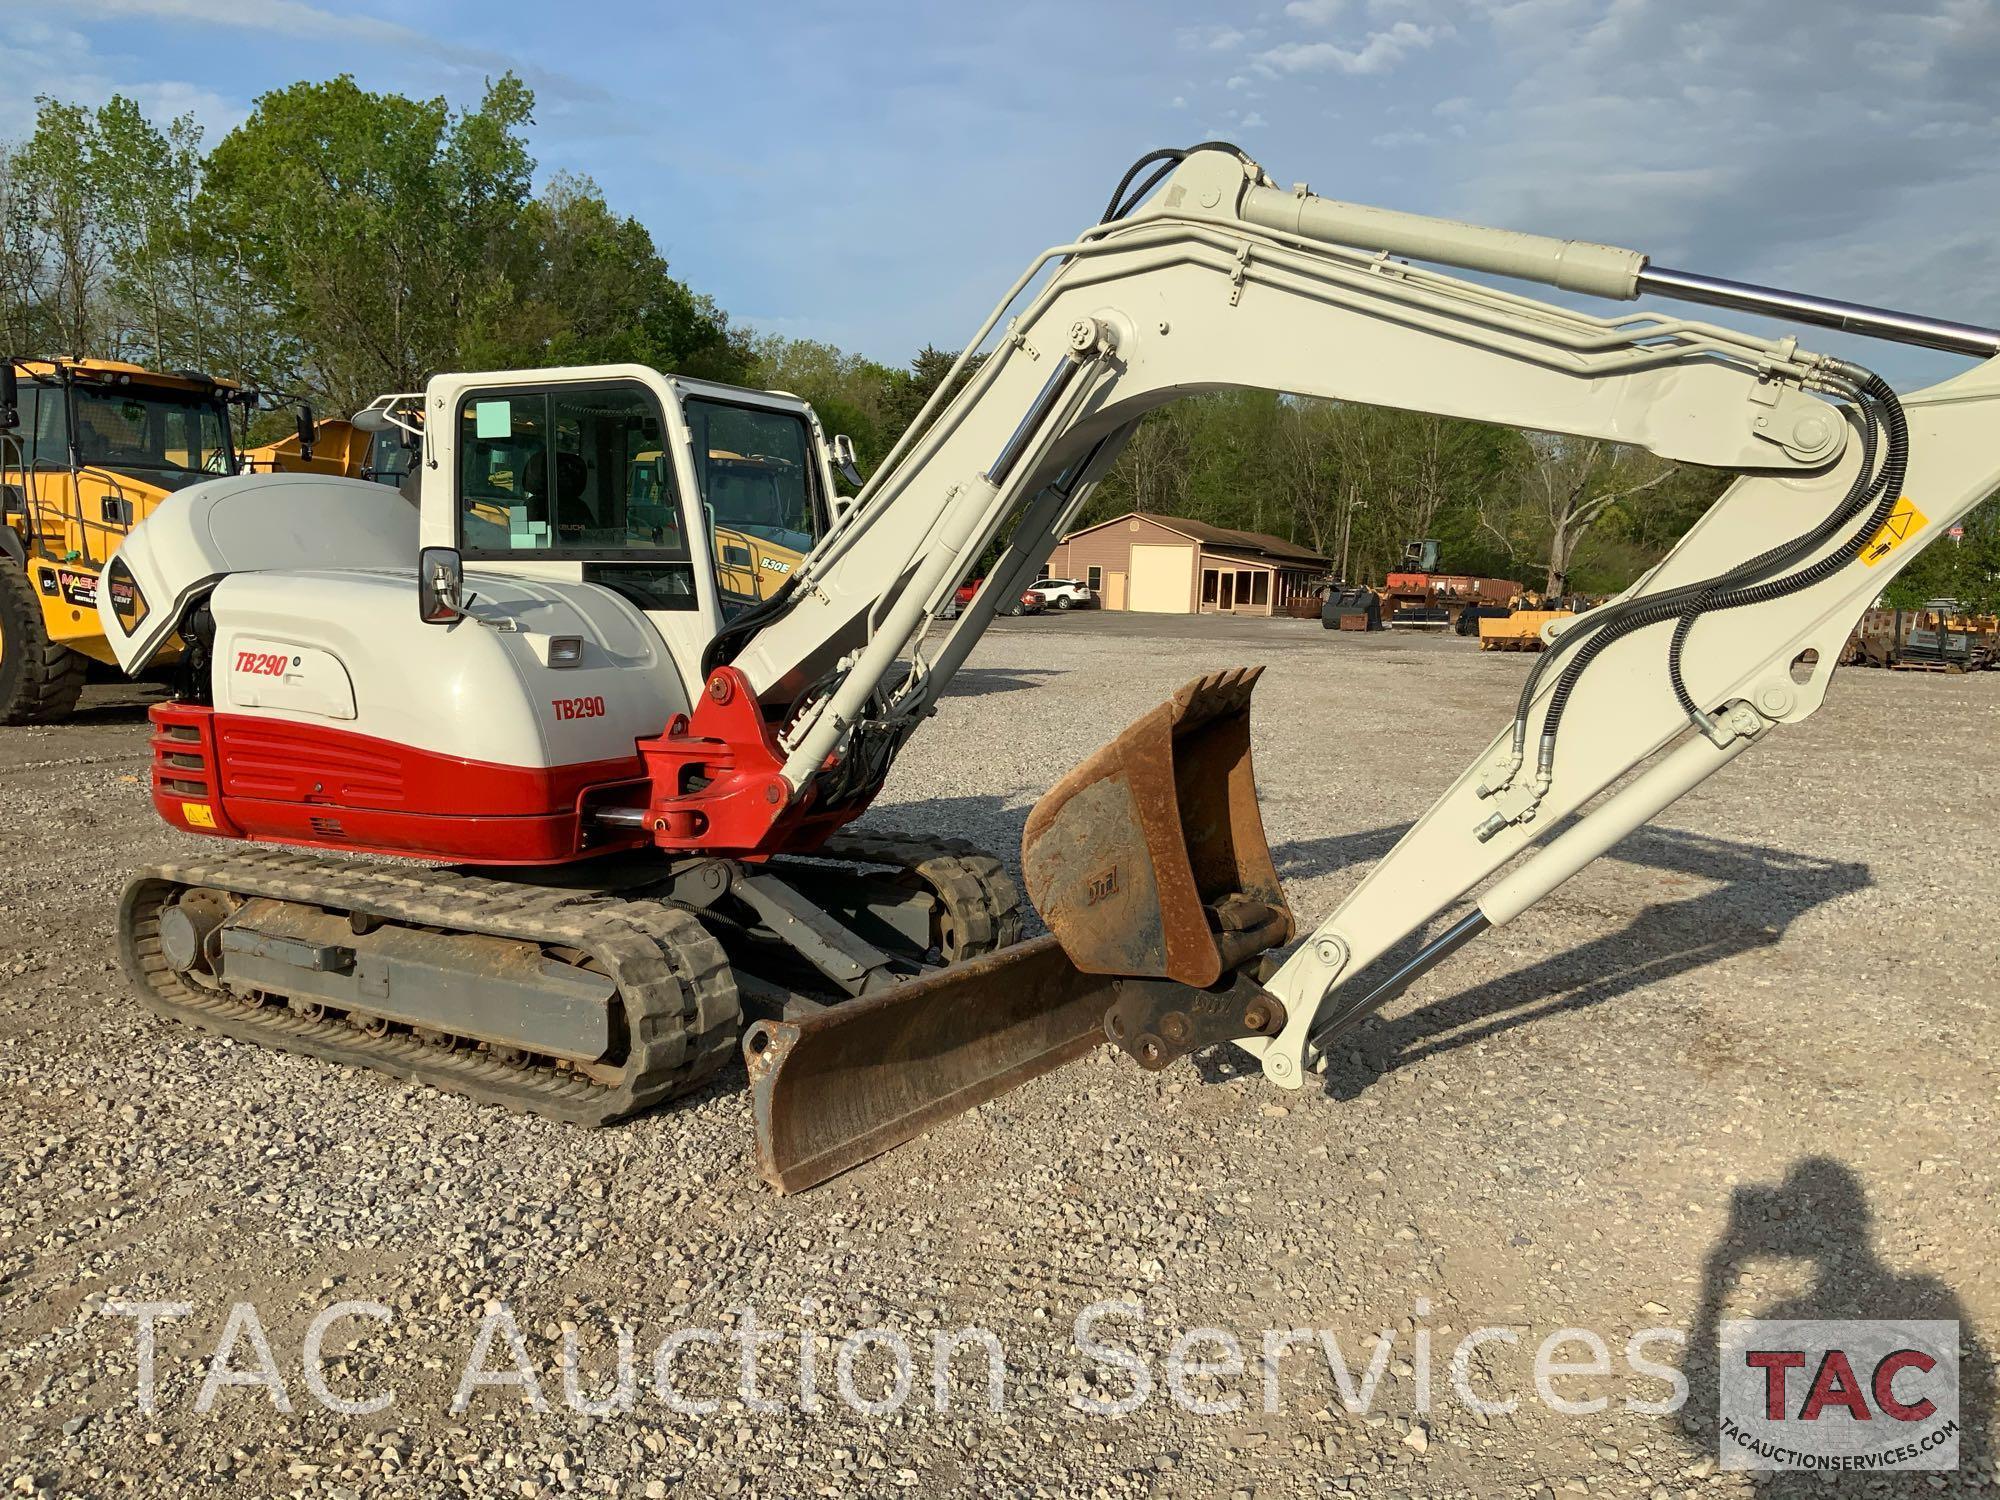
{"x":588,"y":997}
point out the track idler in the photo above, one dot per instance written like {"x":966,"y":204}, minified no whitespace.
{"x":1149,"y":864}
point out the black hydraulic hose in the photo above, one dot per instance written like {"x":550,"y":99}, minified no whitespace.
{"x":1122,"y":204}
{"x":1655,"y":610}
{"x":1172,"y":156}
{"x":1887,"y":488}
{"x":1619,"y":617}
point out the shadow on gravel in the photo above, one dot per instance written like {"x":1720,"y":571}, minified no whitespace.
{"x":975,"y":682}
{"x":1759,"y":893}
{"x":1819,"y":1216}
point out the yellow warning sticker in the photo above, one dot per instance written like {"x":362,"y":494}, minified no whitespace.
{"x":198,"y":814}
{"x":1904,"y":522}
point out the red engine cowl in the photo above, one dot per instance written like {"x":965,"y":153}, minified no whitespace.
{"x":241,"y":776}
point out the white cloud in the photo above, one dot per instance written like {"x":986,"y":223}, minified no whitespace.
{"x":1180,"y":101}
{"x":301,"y":21}
{"x":1253,"y":121}
{"x":39,"y":58}
{"x":1210,"y":38}
{"x":1315,"y":12}
{"x":1839,"y":157}
{"x":1382,"y":51}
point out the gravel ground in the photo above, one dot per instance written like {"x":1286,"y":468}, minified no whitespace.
{"x":1740,"y":1068}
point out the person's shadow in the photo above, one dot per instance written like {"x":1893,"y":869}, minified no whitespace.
{"x":1819,"y":1214}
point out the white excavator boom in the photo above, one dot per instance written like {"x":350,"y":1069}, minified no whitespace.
{"x":1224,"y":279}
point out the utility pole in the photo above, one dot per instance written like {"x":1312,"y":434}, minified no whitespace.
{"x":1347,"y":532}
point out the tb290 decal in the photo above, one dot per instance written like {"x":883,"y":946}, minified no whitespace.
{"x":578,"y":708}
{"x":263,"y":663}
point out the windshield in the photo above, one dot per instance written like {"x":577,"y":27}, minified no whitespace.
{"x":153,"y":432}
{"x":756,"y":472}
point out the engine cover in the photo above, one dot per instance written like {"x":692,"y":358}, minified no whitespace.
{"x":341,"y":720}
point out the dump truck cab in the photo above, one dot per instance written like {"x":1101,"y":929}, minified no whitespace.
{"x":88,"y":449}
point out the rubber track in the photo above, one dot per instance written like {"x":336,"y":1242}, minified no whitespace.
{"x":982,"y":902}
{"x":683,"y":1018}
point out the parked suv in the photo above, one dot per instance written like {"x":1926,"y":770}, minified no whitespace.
{"x":1063,"y":593}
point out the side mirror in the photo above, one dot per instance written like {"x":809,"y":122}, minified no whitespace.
{"x":843,"y":459}
{"x":440,"y":586}
{"x":10,"y":396}
{"x":370,"y":419}
{"x":305,"y":431}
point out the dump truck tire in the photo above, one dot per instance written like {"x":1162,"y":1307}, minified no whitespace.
{"x":40,"y":679}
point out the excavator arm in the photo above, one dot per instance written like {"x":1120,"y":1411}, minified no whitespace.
{"x":1224,"y":279}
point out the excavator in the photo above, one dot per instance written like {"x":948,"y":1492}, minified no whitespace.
{"x":625,"y":812}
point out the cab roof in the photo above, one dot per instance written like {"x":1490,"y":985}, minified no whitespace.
{"x":118,"y":372}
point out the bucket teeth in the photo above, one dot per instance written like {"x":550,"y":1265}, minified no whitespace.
{"x":1130,"y":855}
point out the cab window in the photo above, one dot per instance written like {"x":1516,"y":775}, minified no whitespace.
{"x":575,"y":473}
{"x":49,"y":426}
{"x":757,"y":473}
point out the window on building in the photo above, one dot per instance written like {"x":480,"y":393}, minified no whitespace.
{"x":1208,"y":585}
{"x":1260,"y":588}
{"x":1096,"y":579}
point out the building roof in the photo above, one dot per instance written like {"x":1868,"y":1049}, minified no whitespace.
{"x":1221,"y":538}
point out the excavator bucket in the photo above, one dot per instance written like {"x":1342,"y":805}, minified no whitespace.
{"x":1148,"y":862}
{"x":1149,"y":858}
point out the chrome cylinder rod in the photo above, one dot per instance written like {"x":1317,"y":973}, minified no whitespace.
{"x":1327,"y":1027}
{"x":1849,"y":317}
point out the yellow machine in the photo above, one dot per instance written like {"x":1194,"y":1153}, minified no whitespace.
{"x":757,"y":515}
{"x":337,"y":447}
{"x":1519,"y":631}
{"x":88,"y":448}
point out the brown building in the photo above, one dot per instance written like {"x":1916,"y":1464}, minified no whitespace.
{"x":1170,"y":566}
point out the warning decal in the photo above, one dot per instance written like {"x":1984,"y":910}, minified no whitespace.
{"x":1904,"y":522}
{"x":198,"y":814}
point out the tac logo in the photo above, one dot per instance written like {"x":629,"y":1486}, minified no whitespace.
{"x":1839,"y":1395}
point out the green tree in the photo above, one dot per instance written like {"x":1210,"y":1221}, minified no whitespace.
{"x":61,"y":172}
{"x":590,"y":287}
{"x":370,"y":227}
{"x":1966,"y":569}
{"x":849,"y":391}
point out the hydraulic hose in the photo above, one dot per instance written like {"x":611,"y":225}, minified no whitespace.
{"x":1886,"y":490}
{"x":1170,"y":157}
{"x":1744,"y":584}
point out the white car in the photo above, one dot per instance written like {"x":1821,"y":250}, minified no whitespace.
{"x":1063,"y":593}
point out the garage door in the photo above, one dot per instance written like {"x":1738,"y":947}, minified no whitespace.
{"x":1162,"y":581}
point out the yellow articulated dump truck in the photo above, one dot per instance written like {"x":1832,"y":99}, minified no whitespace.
{"x":88,"y":448}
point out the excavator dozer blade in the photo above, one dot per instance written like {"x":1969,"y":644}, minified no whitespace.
{"x":1149,"y":859}
{"x":834,"y":1088}
{"x":1148,"y":862}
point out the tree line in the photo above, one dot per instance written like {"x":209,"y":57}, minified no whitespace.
{"x":341,"y":243}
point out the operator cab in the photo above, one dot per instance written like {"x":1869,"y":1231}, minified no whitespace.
{"x":692,"y":500}
{"x":165,"y":431}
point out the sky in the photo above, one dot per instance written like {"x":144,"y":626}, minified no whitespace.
{"x":876,"y":174}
